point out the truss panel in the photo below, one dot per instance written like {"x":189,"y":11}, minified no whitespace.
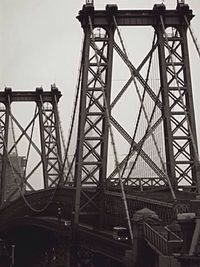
{"x":178,"y":111}
{"x":166,"y":122}
{"x":17,"y":139}
{"x":91,"y":160}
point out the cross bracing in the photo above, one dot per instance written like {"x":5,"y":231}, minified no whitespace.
{"x":158,"y":152}
{"x":156,"y":143}
{"x":132,"y":141}
{"x":33,"y":151}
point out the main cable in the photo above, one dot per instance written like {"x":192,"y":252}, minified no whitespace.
{"x":77,"y":93}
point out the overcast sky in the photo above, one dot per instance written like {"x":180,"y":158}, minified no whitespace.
{"x":40,"y":44}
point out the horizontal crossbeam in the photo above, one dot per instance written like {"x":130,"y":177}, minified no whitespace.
{"x":29,"y":96}
{"x":102,"y":18}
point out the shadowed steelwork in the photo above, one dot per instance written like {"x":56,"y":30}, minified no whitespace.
{"x":127,"y":183}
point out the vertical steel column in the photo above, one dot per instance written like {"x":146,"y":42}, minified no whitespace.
{"x":56,"y":96}
{"x":81,"y":125}
{"x":178,"y":109}
{"x":4,"y":143}
{"x":92,"y":139}
{"x":50,"y":138}
{"x":193,"y":144}
{"x":170,"y":161}
{"x":42,"y":138}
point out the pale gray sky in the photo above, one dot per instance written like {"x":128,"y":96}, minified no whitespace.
{"x":40,"y":44}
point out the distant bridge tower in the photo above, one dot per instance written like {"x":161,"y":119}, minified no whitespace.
{"x":49,"y":147}
{"x":175,"y":103}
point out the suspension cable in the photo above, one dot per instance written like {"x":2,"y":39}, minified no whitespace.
{"x":196,"y":155}
{"x":195,"y":41}
{"x":144,"y":110}
{"x":77,"y":93}
{"x":111,"y":134}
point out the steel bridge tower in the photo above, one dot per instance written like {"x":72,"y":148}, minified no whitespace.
{"x":84,"y":200}
{"x":49,"y":136}
{"x":175,"y":102}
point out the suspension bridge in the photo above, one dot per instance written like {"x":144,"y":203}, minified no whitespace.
{"x":124,"y":189}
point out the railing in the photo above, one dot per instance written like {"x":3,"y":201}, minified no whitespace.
{"x":114,"y":209}
{"x":162,"y":239}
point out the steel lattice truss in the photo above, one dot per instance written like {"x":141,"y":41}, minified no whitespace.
{"x":41,"y":159}
{"x":175,"y":114}
{"x":181,"y":130}
{"x":91,"y":162}
{"x":3,"y":143}
{"x":50,"y":141}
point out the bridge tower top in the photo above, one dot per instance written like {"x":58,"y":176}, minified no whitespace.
{"x":130,"y":17}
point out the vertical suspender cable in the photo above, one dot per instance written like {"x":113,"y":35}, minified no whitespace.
{"x":143,"y":138}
